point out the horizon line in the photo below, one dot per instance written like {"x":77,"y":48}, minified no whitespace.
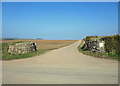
{"x":60,"y":0}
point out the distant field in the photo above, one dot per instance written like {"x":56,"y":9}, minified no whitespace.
{"x":47,"y":44}
{"x":42,"y":47}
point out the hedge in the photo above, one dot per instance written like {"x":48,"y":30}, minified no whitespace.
{"x":112,"y":43}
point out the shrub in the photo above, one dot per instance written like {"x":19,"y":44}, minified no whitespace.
{"x":88,"y":38}
{"x":112,"y":43}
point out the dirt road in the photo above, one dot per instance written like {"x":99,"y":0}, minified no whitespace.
{"x":61,"y":66}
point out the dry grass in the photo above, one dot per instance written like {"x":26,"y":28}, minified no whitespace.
{"x":48,"y":44}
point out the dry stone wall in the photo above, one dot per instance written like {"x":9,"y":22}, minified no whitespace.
{"x":94,"y":45}
{"x":22,"y":48}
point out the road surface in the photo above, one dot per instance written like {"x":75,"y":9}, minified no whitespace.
{"x":65,"y":65}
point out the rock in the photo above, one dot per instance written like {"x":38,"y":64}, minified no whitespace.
{"x":22,"y":48}
{"x":95,"y":45}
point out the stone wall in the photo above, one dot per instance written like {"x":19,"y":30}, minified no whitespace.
{"x":22,"y":48}
{"x":94,"y":45}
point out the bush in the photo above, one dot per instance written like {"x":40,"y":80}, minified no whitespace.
{"x":112,"y":43}
{"x":88,"y":38}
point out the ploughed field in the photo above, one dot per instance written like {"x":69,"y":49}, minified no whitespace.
{"x":47,"y":44}
{"x":42,"y":47}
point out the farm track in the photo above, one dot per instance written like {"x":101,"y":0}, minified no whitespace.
{"x":65,"y":65}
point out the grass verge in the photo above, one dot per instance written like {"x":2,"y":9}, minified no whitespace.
{"x":7,"y":56}
{"x":100,"y":55}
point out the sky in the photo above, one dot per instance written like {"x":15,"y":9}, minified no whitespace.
{"x":59,"y":20}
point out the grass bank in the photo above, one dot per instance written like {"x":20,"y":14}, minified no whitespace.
{"x":100,"y":55}
{"x":7,"y":56}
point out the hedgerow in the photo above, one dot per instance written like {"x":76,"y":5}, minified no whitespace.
{"x":112,"y":46}
{"x":112,"y":43}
